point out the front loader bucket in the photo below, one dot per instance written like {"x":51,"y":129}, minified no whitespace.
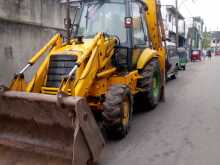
{"x":37,"y":123}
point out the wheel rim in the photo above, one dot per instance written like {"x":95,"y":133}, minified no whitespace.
{"x":125,"y":111}
{"x":156,"y":85}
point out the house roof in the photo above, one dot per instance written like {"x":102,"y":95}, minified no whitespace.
{"x":215,"y":34}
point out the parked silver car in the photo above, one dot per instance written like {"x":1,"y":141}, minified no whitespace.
{"x":172,"y":61}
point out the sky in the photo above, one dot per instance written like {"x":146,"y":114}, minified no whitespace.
{"x":209,"y":10}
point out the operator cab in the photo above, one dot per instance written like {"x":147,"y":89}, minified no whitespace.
{"x":121,"y":19}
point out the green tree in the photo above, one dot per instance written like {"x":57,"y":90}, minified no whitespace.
{"x":206,"y":40}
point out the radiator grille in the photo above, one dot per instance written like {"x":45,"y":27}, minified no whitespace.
{"x":59,"y":67}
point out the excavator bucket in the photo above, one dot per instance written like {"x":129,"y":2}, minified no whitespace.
{"x":45,"y":124}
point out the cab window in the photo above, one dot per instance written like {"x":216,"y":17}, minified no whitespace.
{"x":138,"y":29}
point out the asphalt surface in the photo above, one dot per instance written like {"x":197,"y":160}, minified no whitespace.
{"x":185,"y":130}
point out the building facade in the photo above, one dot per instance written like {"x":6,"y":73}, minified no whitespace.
{"x":215,"y":39}
{"x":195,"y":33}
{"x":169,"y":19}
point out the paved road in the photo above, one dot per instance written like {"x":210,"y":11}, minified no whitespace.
{"x":185,"y":130}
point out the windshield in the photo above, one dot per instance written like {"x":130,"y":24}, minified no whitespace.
{"x":103,"y":17}
{"x":195,"y":52}
{"x":182,"y":54}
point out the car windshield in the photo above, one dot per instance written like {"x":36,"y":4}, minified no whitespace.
{"x":182,"y":54}
{"x":195,"y":52}
{"x":107,"y":17}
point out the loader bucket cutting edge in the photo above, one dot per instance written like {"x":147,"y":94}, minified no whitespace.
{"x":36,"y":123}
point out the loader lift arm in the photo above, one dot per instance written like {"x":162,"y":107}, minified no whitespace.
{"x":18,"y":83}
{"x":99,"y":54}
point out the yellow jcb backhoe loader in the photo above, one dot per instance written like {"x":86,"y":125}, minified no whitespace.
{"x":113,"y":59}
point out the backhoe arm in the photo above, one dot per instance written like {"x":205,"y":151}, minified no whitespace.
{"x":156,"y":30}
{"x":154,"y":24}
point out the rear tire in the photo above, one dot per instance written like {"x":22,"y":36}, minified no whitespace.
{"x":173,"y":77}
{"x":151,"y":86}
{"x":118,"y":109}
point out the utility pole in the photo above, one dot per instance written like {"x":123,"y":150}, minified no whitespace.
{"x":192,"y":36}
{"x":68,"y":22}
{"x":177,"y":26}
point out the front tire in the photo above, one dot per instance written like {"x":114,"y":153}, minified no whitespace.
{"x":151,"y":86}
{"x":118,"y":109}
{"x":184,"y":67}
{"x":173,"y":77}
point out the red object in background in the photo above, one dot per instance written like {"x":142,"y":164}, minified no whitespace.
{"x":196,"y":55}
{"x":217,"y":52}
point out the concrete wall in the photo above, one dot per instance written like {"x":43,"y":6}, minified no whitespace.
{"x":25,"y":26}
{"x":46,"y":13}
